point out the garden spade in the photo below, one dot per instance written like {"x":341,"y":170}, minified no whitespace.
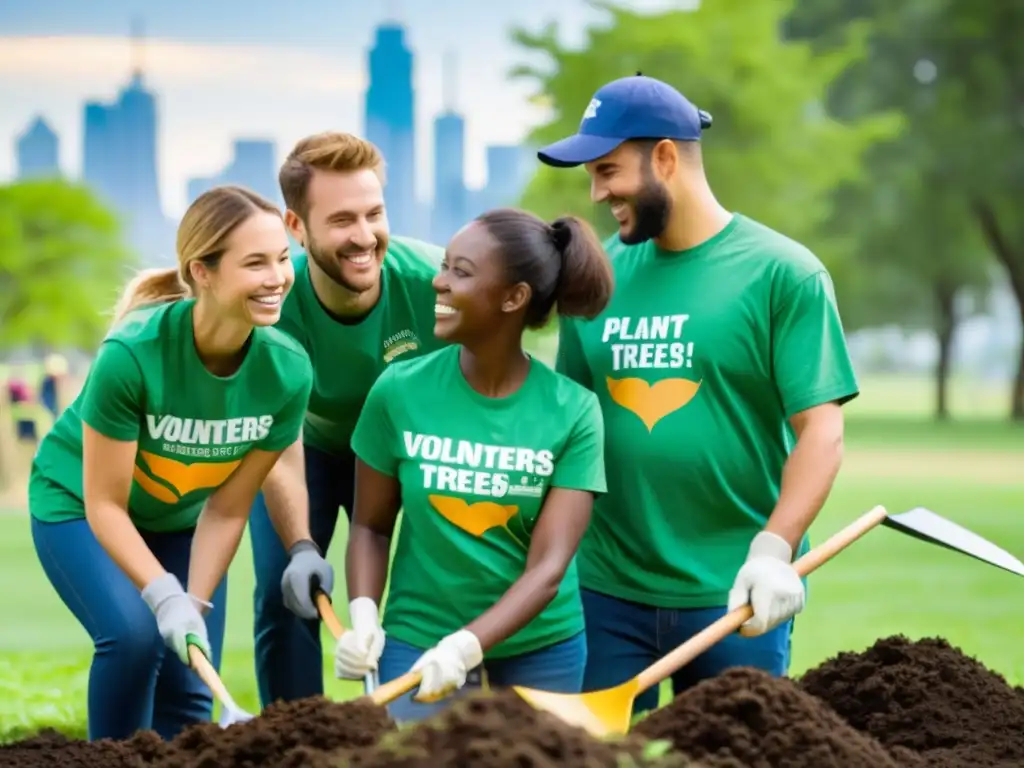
{"x":609,"y":711}
{"x":323,"y":604}
{"x":230,"y":712}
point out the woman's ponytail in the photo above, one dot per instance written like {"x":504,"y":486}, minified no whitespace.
{"x":151,"y":286}
{"x":586,"y":280}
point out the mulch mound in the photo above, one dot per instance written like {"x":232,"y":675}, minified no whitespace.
{"x":501,"y":730}
{"x":927,"y":696}
{"x":494,"y":730}
{"x":899,"y":704}
{"x":50,"y":749}
{"x":300,"y":733}
{"x":746,"y":718}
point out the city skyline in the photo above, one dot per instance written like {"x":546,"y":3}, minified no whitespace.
{"x":265,"y":76}
{"x":121,"y":148}
{"x":389,"y":122}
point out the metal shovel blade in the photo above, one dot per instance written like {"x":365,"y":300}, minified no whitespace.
{"x":371,"y":682}
{"x":924,"y":524}
{"x":230,"y":715}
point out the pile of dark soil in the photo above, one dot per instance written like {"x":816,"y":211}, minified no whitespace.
{"x":301,"y":733}
{"x":745,"y":718}
{"x":298,"y":733}
{"x":50,"y":749}
{"x":899,"y":704}
{"x":501,"y":730}
{"x":928,"y":696}
{"x":493,"y":730}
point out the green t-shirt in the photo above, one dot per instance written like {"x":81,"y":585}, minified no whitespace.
{"x":474,"y":472}
{"x":193,"y":428}
{"x":348,"y":357}
{"x":698,"y":361}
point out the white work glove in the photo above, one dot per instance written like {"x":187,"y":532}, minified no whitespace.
{"x":445,"y":666}
{"x":769,"y":583}
{"x":359,"y":649}
{"x":178,"y":616}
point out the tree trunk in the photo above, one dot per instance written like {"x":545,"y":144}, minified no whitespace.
{"x":945,"y":328}
{"x":1017,"y":396}
{"x":1012,"y":260}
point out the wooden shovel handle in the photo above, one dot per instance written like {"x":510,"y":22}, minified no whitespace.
{"x":392,"y":689}
{"x":209,"y":675}
{"x":733,"y":620}
{"x":330,"y":618}
{"x":323,"y":604}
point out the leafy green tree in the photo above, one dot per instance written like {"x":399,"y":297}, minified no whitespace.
{"x":979,"y":59}
{"x":772,"y":152}
{"x":917,"y":261}
{"x":953,"y":68}
{"x":62,"y":263}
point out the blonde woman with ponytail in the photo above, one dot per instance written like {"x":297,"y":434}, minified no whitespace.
{"x":143,"y":486}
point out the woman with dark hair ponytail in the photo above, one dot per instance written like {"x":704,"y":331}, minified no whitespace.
{"x":496,"y":460}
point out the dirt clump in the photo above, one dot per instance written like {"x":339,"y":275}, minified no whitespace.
{"x":307,"y":733}
{"x":285,"y":734}
{"x":48,"y":748}
{"x":899,"y":704}
{"x":748,"y":718}
{"x":501,"y":730}
{"x":927,"y":696}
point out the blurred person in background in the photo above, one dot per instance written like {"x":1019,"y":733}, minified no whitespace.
{"x":144,"y":484}
{"x":24,"y":429}
{"x":55,"y":368}
{"x":721,"y":367}
{"x":362,"y":300}
{"x":495,"y":460}
{"x":19,"y":395}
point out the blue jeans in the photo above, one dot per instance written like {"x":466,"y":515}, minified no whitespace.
{"x":289,"y":657}
{"x":135,"y":681}
{"x":623,"y":638}
{"x":557,"y":668}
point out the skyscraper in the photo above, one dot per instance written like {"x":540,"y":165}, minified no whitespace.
{"x":98,"y":148}
{"x":449,"y":162}
{"x":37,"y":151}
{"x":136,"y":159}
{"x":119,"y":161}
{"x":390,"y":122}
{"x":508,"y":171}
{"x":252,"y":165}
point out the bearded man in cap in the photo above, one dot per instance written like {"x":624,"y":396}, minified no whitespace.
{"x":721,"y":367}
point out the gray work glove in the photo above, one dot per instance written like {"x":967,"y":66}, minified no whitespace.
{"x":307,"y":572}
{"x":177,"y":616}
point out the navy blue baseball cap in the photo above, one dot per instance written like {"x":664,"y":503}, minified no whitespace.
{"x":636,"y":107}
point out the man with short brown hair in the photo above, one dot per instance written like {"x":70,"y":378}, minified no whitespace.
{"x":361,"y":300}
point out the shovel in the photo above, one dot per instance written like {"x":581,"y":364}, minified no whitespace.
{"x":323,"y":604}
{"x":230,"y":712}
{"x":609,"y":711}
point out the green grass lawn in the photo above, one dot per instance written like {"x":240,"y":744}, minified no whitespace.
{"x":882,"y":585}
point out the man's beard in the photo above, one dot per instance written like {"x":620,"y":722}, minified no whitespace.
{"x":330,"y":263}
{"x":651,"y":209}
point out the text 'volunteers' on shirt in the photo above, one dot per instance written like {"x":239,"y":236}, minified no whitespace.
{"x":474,"y":472}
{"x":193,"y":428}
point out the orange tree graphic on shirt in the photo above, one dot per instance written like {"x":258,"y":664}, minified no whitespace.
{"x":211,"y":445}
{"x":170,"y":480}
{"x":453,"y":469}
{"x":647,"y":344}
